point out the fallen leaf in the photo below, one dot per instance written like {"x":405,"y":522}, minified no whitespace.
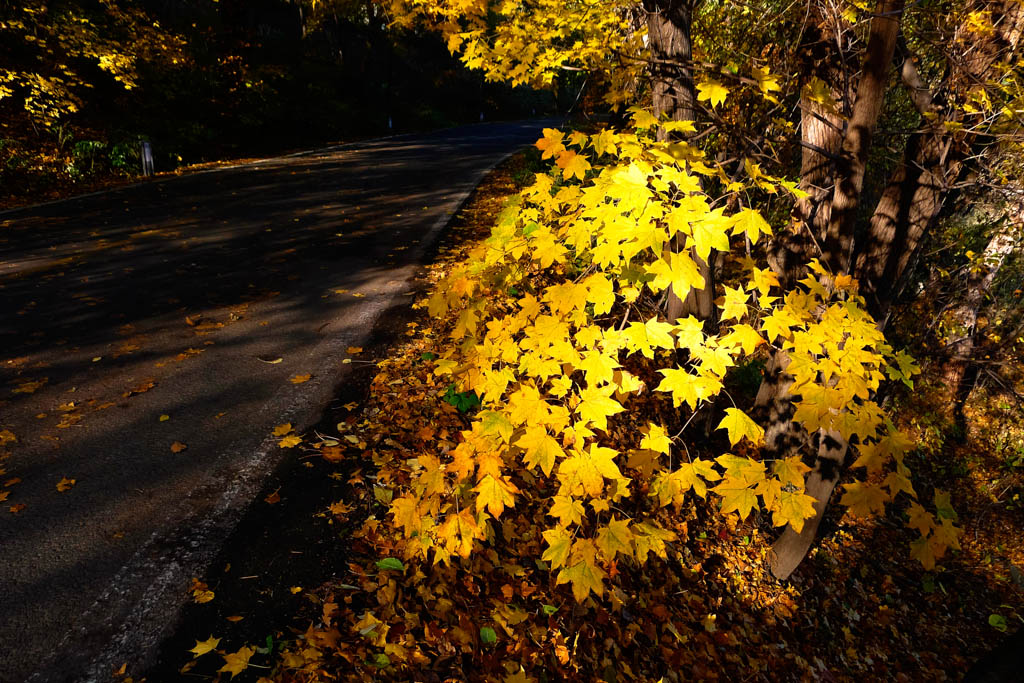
{"x":299,"y":379}
{"x":203,"y":596}
{"x":12,"y":482}
{"x":234,"y":619}
{"x":178,"y":447}
{"x":270,"y":361}
{"x":290,"y":441}
{"x":6,"y":437}
{"x":17,"y":507}
{"x":65,"y":484}
{"x":357,"y":294}
{"x":29,"y":387}
{"x":281,"y":430}
{"x":204,"y":646}
{"x":4,"y":495}
{"x":274,"y":497}
{"x":165,"y":418}
{"x":192,"y":321}
{"x":332,"y":454}
{"x":295,"y":589}
{"x":353,"y":350}
{"x":237,"y":662}
{"x":352,"y":405}
{"x":141,"y":388}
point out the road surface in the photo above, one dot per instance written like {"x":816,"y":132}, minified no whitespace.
{"x":150,"y":340}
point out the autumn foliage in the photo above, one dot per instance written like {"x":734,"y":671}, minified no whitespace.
{"x":558,"y":333}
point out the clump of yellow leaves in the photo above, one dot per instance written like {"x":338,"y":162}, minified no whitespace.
{"x":556,"y":312}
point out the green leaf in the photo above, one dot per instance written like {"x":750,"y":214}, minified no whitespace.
{"x":548,"y":610}
{"x":381,"y":661}
{"x":488,"y":636}
{"x":998,"y":622}
{"x":390,"y":563}
{"x":427,"y":355}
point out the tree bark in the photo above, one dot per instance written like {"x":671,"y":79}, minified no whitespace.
{"x":673,"y":95}
{"x":853,"y":158}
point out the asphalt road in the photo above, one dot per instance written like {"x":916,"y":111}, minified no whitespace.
{"x":141,"y":320}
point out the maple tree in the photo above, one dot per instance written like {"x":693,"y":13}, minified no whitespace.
{"x":625,"y":220}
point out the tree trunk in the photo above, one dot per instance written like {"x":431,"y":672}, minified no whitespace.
{"x":791,"y":547}
{"x":852,"y":162}
{"x":673,"y":95}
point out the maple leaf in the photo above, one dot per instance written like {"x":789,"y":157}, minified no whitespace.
{"x":237,"y":662}
{"x":541,"y":449}
{"x":790,"y":471}
{"x":204,"y":646}
{"x":281,"y":430}
{"x":65,"y":484}
{"x":656,"y":439}
{"x":735,"y":304}
{"x":495,"y":493}
{"x":679,"y":272}
{"x":751,"y":223}
{"x":588,"y":469}
{"x":712,"y":91}
{"x":739,"y":425}
{"x":458,"y":533}
{"x":299,"y":379}
{"x":573,"y":164}
{"x":744,"y":336}
{"x":596,"y":405}
{"x":793,"y":509}
{"x":6,"y":437}
{"x":290,"y":441}
{"x":567,"y":510}
{"x":582,"y":571}
{"x":615,"y":538}
{"x":559,"y":542}
{"x":736,"y":495}
{"x":178,"y":447}
{"x":864,"y":500}
{"x":551,"y":143}
{"x":650,"y":538}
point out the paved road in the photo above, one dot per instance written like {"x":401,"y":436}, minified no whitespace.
{"x":177,"y":299}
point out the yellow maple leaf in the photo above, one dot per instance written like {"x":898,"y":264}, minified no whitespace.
{"x":281,"y":430}
{"x":559,"y":542}
{"x":237,"y":662}
{"x":495,"y":494}
{"x":656,"y":439}
{"x":204,"y":646}
{"x":749,"y":222}
{"x":596,"y":405}
{"x":615,"y":538}
{"x":735,"y":304}
{"x":864,"y":500}
{"x":567,"y":510}
{"x":793,"y":508}
{"x":290,"y":441}
{"x":582,"y":571}
{"x":541,"y":449}
{"x":573,"y":164}
{"x":736,"y":495}
{"x":551,"y":143}
{"x":678,"y":271}
{"x":587,"y":470}
{"x":739,"y":425}
{"x":458,"y":533}
{"x":712,"y":91}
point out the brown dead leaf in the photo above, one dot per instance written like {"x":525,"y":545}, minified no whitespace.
{"x":17,"y":508}
{"x":12,"y":482}
{"x":142,"y":388}
{"x":332,"y":454}
{"x":273,"y":498}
